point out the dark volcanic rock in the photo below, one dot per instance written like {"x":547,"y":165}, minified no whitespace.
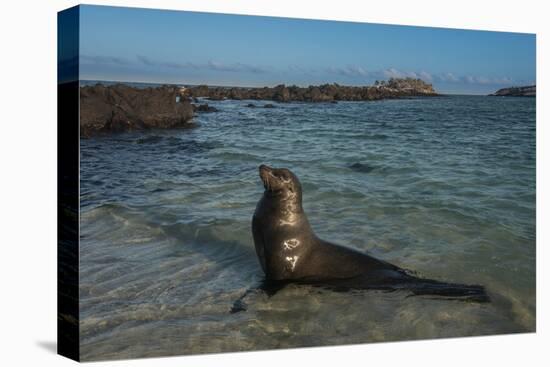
{"x":251,"y":105}
{"x":269,"y":105}
{"x":216,"y":97}
{"x":204,"y":108}
{"x":281,"y":93}
{"x":527,"y":91}
{"x":120,"y":108}
{"x":200,"y":91}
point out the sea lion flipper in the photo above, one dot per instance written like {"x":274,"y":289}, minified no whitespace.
{"x":240,"y":305}
{"x":270,"y":288}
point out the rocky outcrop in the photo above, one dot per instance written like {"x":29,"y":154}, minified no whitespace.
{"x":120,"y":108}
{"x":393,"y":88}
{"x":204,"y":108}
{"x":527,"y":91}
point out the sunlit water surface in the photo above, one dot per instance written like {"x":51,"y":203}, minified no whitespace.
{"x":443,"y":186}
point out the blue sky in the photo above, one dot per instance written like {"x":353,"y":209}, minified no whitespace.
{"x":129,"y":44}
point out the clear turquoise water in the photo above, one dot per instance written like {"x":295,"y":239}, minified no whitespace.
{"x":442,"y":186}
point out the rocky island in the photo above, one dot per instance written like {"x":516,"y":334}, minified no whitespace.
{"x":393,"y":88}
{"x":120,"y":107}
{"x":527,"y":91}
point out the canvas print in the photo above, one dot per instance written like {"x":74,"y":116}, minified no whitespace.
{"x":239,"y":183}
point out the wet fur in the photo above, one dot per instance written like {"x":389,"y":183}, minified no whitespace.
{"x":290,"y":252}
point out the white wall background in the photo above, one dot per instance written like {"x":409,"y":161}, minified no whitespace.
{"x":28,"y":182}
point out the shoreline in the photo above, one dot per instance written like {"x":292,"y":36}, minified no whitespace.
{"x":123,"y":107}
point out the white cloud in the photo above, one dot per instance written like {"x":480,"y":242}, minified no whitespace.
{"x":211,"y":65}
{"x":426,"y":76}
{"x":104,"y":60}
{"x":394,"y":73}
{"x":484,"y":80}
{"x":447,"y":77}
{"x":350,"y":70}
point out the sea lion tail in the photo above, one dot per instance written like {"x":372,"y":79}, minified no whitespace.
{"x":463,"y":292}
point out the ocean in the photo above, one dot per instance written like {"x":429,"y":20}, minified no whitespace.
{"x":443,"y":186}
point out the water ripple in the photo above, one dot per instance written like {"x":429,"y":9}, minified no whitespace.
{"x":443,"y":186}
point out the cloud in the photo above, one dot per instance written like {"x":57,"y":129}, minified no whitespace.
{"x":104,"y":60}
{"x":425,"y":76}
{"x":394,"y":73}
{"x":173,"y":65}
{"x":145,"y":60}
{"x":355,"y":70}
{"x":472,"y":79}
{"x":350,"y":70}
{"x":391,"y":73}
{"x":358,"y":71}
{"x":484,"y":80}
{"x":298,"y":69}
{"x":447,"y":77}
{"x":503,"y":80}
{"x":211,"y":65}
{"x":149,"y":62}
{"x":236,"y":67}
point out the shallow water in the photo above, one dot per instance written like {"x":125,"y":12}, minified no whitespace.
{"x":443,"y":186}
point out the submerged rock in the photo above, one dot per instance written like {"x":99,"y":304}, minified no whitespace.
{"x":118,"y":108}
{"x":204,"y":108}
{"x":269,"y":105}
{"x":361,"y":167}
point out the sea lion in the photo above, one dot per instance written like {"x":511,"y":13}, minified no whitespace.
{"x":289,"y":250}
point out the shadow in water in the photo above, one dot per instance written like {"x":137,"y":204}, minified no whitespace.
{"x":226,"y":253}
{"x":48,"y":345}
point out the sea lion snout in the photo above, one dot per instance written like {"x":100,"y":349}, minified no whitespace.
{"x":263,"y":167}
{"x":265,"y":173}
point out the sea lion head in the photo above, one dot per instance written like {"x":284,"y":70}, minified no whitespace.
{"x":281,"y":183}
